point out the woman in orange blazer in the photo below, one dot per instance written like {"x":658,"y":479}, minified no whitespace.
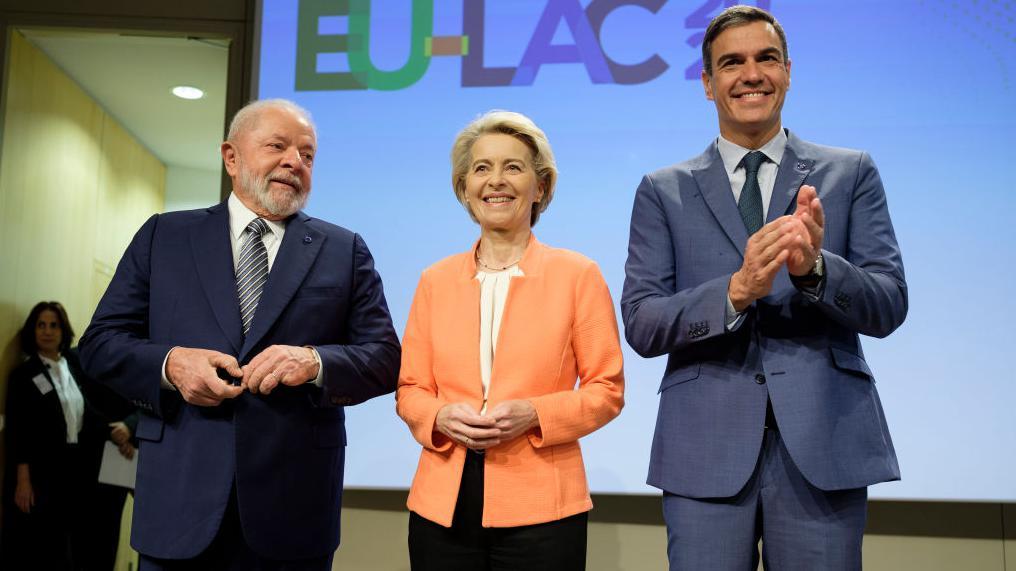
{"x":495,"y":341}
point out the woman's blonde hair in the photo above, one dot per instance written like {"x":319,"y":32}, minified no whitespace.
{"x":516,"y":125}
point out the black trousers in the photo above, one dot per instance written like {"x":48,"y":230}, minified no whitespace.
{"x":103,"y":534}
{"x":55,"y":534}
{"x":467,"y":546}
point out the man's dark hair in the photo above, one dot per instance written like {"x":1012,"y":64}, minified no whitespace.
{"x":27,"y":334}
{"x":731,"y":18}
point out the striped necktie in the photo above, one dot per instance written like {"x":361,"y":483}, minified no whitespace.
{"x":251,"y":271}
{"x":750,"y":202}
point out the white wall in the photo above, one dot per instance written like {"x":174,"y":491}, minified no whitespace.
{"x":189,"y":188}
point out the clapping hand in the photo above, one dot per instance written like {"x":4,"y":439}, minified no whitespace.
{"x":810,"y":227}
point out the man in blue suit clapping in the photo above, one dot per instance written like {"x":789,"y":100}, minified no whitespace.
{"x":754,"y":267}
{"x":241,"y":331}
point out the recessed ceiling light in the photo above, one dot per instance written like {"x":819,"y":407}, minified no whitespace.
{"x":188,"y":92}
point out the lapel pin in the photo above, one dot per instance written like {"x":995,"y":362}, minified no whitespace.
{"x":307,"y":239}
{"x":802,"y":166}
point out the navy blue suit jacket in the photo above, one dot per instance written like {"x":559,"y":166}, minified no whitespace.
{"x":687,"y":239}
{"x":284,"y":452}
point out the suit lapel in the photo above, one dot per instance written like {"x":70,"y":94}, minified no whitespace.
{"x":42,"y":368}
{"x":300,"y":247}
{"x":794,"y":168}
{"x":213,"y":258}
{"x":714,"y":184}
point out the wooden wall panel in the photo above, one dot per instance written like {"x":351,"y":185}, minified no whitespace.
{"x":74,"y":187}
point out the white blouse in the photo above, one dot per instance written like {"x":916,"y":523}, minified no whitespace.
{"x":493,"y":293}
{"x":71,"y":400}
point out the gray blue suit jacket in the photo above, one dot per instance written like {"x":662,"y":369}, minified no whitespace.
{"x":687,"y":239}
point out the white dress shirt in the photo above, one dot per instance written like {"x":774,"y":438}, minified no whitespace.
{"x":732,"y":155}
{"x":71,"y":400}
{"x":239,"y":217}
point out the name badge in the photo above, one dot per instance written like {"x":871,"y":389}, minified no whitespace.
{"x":42,"y":383}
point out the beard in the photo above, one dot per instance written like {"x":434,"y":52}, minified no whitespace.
{"x":279,"y":203}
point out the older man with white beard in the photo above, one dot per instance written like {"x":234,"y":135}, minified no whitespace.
{"x":242,"y":330}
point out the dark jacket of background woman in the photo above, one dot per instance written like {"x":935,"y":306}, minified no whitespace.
{"x":63,"y":475}
{"x":36,"y":431}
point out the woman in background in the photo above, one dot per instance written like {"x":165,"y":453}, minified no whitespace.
{"x":54,"y":438}
{"x":496,"y":338}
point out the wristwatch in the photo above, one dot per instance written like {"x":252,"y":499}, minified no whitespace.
{"x":818,"y":271}
{"x":812,"y":278}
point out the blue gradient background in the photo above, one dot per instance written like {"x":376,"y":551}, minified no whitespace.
{"x":927,"y":87}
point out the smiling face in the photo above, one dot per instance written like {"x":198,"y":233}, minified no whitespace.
{"x":501,"y":185}
{"x":271,"y":162}
{"x":749,"y":81}
{"x":48,"y":333}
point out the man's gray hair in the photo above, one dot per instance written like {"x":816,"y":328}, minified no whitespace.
{"x":246,"y":118}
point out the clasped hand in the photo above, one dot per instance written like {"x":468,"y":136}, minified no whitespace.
{"x":194,"y":372}
{"x":794,"y":241}
{"x":505,"y":422}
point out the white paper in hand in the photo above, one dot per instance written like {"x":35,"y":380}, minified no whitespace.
{"x":115,"y":469}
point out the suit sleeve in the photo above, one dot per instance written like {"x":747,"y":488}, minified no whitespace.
{"x":659,"y":319}
{"x":417,"y":399}
{"x":566,"y":416}
{"x":105,"y":404}
{"x":367,"y":365}
{"x":21,"y":417}
{"x":865,"y":289}
{"x":116,"y":348}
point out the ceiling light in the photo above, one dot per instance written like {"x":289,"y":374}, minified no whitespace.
{"x":188,"y":92}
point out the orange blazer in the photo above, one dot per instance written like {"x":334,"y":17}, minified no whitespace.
{"x":558,"y":325}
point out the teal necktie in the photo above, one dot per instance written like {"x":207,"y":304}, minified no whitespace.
{"x":750,"y":202}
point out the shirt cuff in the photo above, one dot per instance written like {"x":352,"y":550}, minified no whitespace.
{"x":319,"y":379}
{"x":732,"y":318}
{"x":165,"y":379}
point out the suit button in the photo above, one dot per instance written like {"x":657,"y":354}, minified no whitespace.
{"x":842,"y":301}
{"x":760,"y":379}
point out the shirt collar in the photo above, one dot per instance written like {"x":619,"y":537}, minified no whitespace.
{"x":240,"y":216}
{"x":732,"y":153}
{"x":50,"y":362}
